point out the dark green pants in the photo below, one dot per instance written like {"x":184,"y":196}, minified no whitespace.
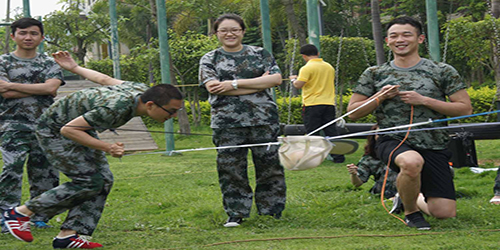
{"x":85,"y":195}
{"x":17,"y":148}
{"x":270,"y":189}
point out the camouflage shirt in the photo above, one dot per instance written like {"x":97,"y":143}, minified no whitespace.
{"x":368,"y":166}
{"x":23,"y":113}
{"x":102,"y":107}
{"x":428,"y":78}
{"x":244,"y":110}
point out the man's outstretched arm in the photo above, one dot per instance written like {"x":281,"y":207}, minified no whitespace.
{"x":64,"y":59}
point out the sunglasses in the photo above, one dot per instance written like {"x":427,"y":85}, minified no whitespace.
{"x":171,"y":113}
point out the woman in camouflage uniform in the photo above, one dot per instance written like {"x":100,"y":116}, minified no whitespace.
{"x":238,"y":78}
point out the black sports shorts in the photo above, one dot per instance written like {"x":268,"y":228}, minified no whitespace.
{"x":436,"y":177}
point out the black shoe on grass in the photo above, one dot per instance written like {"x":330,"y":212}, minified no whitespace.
{"x":397,"y":205}
{"x":417,"y":221}
{"x":233,"y":222}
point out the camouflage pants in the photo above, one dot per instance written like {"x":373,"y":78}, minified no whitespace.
{"x":16,"y":147}
{"x":85,"y":195}
{"x":270,"y":190}
{"x":496,"y":189}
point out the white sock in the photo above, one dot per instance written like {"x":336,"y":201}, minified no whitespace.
{"x":62,"y":238}
{"x":15,"y":209}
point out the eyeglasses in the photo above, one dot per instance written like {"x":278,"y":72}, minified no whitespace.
{"x":171,"y":113}
{"x":232,"y":31}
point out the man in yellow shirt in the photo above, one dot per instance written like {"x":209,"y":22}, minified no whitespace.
{"x":316,"y":79}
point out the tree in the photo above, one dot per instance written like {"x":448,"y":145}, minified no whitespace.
{"x":298,"y":29}
{"x":495,"y":8}
{"x":475,"y":43}
{"x":377,"y":32}
{"x":68,"y":30}
{"x":495,"y":11}
{"x":7,"y":30}
{"x":186,"y":51}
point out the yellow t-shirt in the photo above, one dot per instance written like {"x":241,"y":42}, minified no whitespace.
{"x":319,"y":87}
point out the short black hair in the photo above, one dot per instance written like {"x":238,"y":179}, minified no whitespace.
{"x":309,"y":50}
{"x":406,"y":20}
{"x":161,"y":94}
{"x":24,"y":23}
{"x":231,"y":16}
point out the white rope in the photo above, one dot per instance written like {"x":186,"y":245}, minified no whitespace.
{"x":278,"y":143}
{"x":382,"y":130}
{"x":226,"y":147}
{"x":368,"y":132}
{"x":373,"y":98}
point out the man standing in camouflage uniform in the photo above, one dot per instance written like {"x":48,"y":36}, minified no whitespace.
{"x":28,"y":84}
{"x":68,"y":135}
{"x":238,"y":78}
{"x":421,"y":88}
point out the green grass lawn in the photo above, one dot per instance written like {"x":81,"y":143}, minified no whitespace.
{"x":161,"y":202}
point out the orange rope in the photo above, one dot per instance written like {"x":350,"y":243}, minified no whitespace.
{"x":389,"y":164}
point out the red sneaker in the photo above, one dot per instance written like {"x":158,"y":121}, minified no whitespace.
{"x":74,"y":241}
{"x":18,"y":225}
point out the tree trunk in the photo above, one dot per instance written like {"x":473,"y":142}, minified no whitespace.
{"x":81,"y":51}
{"x":210,"y":31}
{"x":182,"y":114}
{"x":294,"y":22}
{"x":149,"y":34}
{"x":377,"y":32}
{"x":7,"y":30}
{"x":495,"y":10}
{"x":152,"y":4}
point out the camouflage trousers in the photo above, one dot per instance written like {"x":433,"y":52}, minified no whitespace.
{"x":270,"y":190}
{"x":85,"y":195}
{"x":16,"y":147}
{"x":496,"y":189}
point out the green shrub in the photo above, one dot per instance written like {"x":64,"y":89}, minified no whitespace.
{"x":481,"y":102}
{"x":295,"y":108}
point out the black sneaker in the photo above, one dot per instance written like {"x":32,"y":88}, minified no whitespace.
{"x":417,"y":221}
{"x":233,"y":222}
{"x":397,"y":205}
{"x":74,"y":241}
{"x":338,"y":158}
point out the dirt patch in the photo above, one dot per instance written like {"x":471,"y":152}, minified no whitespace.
{"x":495,"y":162}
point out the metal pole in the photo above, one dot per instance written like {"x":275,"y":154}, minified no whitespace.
{"x":266,"y":31}
{"x":26,"y":8}
{"x":161,"y":11}
{"x":114,"y":39}
{"x":433,"y":30}
{"x":7,"y":29}
{"x":266,"y":25}
{"x":313,"y":23}
{"x":41,"y":47}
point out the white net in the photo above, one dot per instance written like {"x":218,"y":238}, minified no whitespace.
{"x":303,"y":152}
